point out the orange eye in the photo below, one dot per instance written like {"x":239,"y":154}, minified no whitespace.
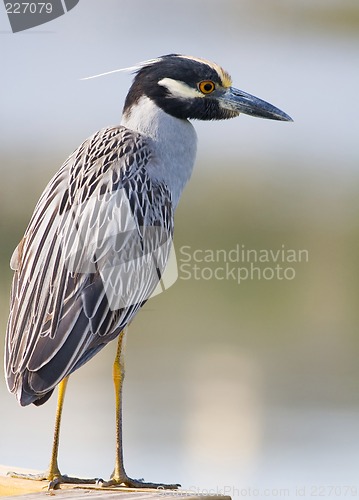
{"x":206,"y":87}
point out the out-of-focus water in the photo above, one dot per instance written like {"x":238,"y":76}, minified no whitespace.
{"x":250,"y":388}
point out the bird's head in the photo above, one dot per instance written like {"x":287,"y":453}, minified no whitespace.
{"x":193,"y":88}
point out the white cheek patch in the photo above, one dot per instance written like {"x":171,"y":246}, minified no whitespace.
{"x":180,"y":89}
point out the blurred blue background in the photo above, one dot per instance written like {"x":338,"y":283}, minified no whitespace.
{"x":236,"y":386}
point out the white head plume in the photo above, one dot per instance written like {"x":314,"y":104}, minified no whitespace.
{"x":133,"y":69}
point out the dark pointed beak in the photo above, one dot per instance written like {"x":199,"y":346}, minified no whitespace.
{"x":241,"y":102}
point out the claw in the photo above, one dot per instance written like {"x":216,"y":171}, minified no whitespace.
{"x":137,"y":483}
{"x":54,"y":484}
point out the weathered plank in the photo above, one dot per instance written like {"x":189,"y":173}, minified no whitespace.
{"x":37,"y":490}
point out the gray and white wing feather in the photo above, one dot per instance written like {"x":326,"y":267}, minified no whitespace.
{"x":93,"y":253}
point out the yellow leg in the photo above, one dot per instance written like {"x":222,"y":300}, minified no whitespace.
{"x":118,"y":376}
{"x":119,"y":476}
{"x":53,"y":473}
{"x":53,"y":470}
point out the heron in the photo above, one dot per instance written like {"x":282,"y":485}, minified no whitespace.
{"x":100,"y":237}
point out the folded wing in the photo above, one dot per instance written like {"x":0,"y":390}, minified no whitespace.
{"x":93,"y":253}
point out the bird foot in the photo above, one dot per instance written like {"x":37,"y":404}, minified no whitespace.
{"x":63,"y":479}
{"x":128,"y":482}
{"x":54,"y":480}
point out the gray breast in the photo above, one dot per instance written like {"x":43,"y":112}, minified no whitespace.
{"x":172,"y":141}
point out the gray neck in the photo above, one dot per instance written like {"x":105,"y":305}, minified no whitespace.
{"x":174,"y":143}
